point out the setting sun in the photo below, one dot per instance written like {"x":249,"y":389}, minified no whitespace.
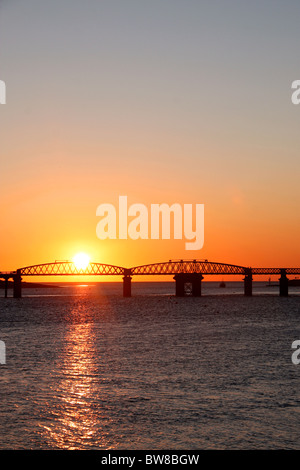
{"x":81,"y":260}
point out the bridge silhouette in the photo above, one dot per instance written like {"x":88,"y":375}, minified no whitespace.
{"x":188,"y":274}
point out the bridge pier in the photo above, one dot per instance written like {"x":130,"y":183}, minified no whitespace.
{"x":179,"y":285}
{"x":196,"y":284}
{"x":248,"y":282}
{"x":17,"y":285}
{"x":5,"y":287}
{"x":283,"y":284}
{"x":194,"y":279}
{"x":127,"y":283}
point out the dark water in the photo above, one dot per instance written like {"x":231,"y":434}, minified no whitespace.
{"x":88,"y":369}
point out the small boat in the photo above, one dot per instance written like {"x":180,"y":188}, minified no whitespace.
{"x":272,"y":284}
{"x":222,"y":284}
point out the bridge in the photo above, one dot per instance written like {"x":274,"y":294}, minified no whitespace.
{"x":188,"y":274}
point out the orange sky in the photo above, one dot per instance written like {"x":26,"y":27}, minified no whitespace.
{"x":175,"y":117}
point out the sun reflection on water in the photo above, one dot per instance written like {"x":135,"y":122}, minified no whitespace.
{"x":76,"y":418}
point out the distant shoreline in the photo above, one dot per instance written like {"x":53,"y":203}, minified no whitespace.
{"x":28,"y":285}
{"x":60,"y":285}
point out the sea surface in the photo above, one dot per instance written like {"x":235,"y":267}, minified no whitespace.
{"x":88,"y":369}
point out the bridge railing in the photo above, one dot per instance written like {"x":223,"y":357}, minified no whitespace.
{"x":171,"y":267}
{"x":69,"y":268}
{"x":188,"y":267}
{"x":270,"y":271}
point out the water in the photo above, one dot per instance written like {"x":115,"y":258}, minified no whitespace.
{"x":89,"y":369}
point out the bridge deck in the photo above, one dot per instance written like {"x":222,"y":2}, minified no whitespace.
{"x":204,"y":267}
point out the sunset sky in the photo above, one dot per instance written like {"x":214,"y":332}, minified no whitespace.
{"x":163,"y":101}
